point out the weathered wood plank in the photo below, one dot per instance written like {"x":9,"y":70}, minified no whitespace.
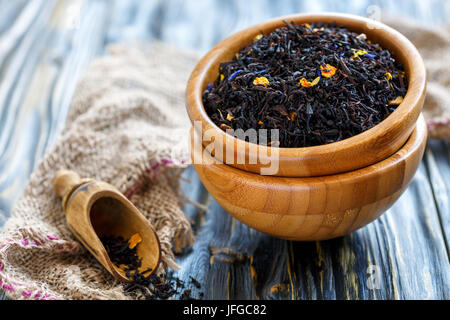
{"x":373,"y":263}
{"x":37,"y":86}
{"x":437,"y":158}
{"x":395,"y":247}
{"x":17,"y":17}
{"x":15,"y":77}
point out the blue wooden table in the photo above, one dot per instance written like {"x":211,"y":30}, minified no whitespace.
{"x":45,"y":45}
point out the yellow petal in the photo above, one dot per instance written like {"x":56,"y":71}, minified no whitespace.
{"x":388,"y":75}
{"x":230,"y":117}
{"x":261,"y":80}
{"x":258,"y":37}
{"x":315,"y":81}
{"x":358,"y":52}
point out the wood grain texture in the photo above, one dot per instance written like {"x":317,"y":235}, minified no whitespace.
{"x":402,"y":255}
{"x":314,"y":208}
{"x":353,"y":153}
{"x":95,"y":209}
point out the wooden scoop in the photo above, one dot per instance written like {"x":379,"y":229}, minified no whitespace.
{"x":95,"y":209}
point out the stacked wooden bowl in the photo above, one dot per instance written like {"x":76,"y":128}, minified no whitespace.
{"x":319,"y":192}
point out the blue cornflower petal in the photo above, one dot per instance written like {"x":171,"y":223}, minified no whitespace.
{"x":234,"y":75}
{"x":370,"y":56}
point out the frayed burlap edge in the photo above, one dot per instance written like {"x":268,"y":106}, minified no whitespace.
{"x":126,"y":126}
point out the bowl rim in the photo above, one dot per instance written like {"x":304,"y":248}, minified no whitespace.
{"x":397,"y":126}
{"x":415,"y":143}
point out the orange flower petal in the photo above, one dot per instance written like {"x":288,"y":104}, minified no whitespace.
{"x":328,"y":71}
{"x":225,"y":127}
{"x":134,"y":240}
{"x":304,"y":83}
{"x":292,"y":115}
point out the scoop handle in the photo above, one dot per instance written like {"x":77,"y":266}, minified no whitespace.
{"x":65,"y":181}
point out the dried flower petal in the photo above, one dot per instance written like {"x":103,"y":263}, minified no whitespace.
{"x":234,"y":75}
{"x":261,"y":71}
{"x":328,"y":71}
{"x":221,"y":115}
{"x":305,"y":83}
{"x":261,"y":80}
{"x":396,"y":101}
{"x":358,"y":52}
{"x":134,"y":240}
{"x":362,"y":37}
{"x":225,"y":127}
{"x":222,"y":77}
{"x":230,"y":117}
{"x":260,"y":123}
{"x":315,"y":81}
{"x":258,"y":37}
{"x":388,"y":75}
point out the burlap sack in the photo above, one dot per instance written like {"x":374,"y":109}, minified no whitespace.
{"x":434,"y":46}
{"x":127,"y":126}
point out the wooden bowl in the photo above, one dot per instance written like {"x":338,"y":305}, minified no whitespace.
{"x":315,"y":208}
{"x":353,"y":153}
